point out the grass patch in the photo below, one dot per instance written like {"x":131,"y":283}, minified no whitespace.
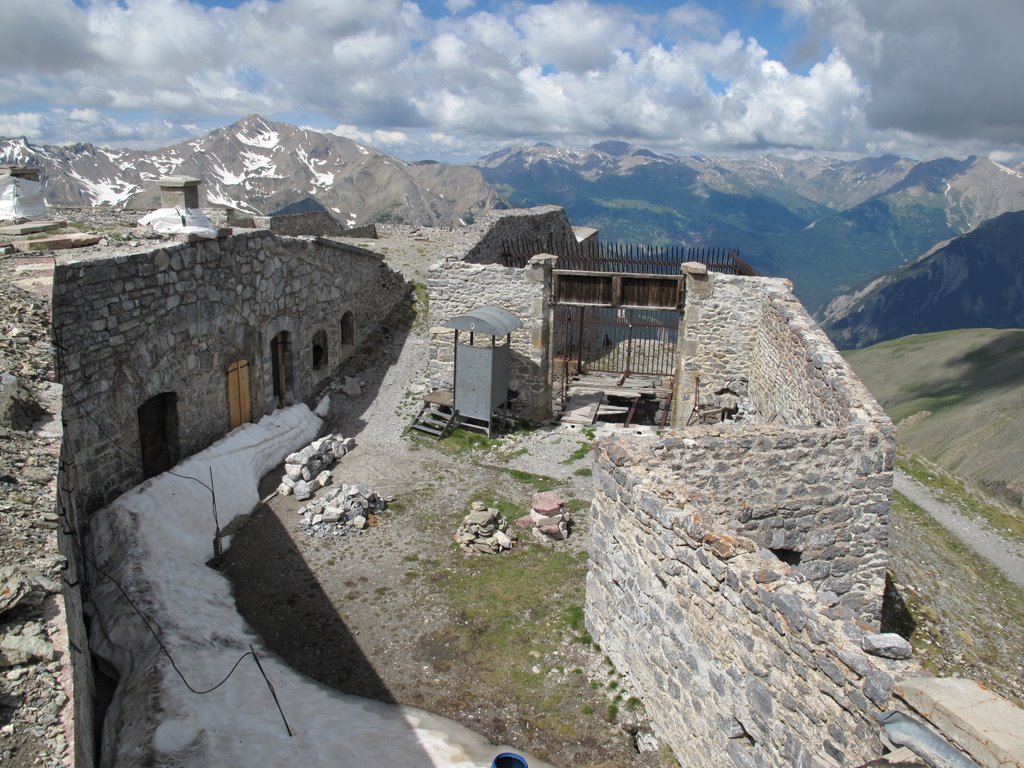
{"x":580,"y":453}
{"x":968,"y":619}
{"x":421,"y":306}
{"x":584,"y":472}
{"x":460,"y":441}
{"x":539,"y":482}
{"x":954,"y":491}
{"x":503,"y":619}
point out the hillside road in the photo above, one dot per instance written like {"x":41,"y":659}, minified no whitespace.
{"x":1005,"y":555}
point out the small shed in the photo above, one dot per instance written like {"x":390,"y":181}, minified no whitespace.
{"x":482,"y":353}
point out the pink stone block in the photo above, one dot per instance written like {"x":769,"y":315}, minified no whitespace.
{"x":547,"y":502}
{"x":526,"y":521}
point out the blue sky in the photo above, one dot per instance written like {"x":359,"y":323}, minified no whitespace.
{"x":456,"y":79}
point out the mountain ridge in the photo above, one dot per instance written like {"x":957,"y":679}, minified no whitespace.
{"x":262,"y":166}
{"x":975,"y":280}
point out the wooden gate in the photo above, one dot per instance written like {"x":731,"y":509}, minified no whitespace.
{"x":238,"y":393}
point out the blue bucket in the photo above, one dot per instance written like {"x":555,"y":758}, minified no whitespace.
{"x":509,"y":760}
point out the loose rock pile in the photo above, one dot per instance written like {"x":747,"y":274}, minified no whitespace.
{"x":548,"y":517}
{"x":345,"y":508}
{"x":307,"y":471}
{"x":484,"y":530}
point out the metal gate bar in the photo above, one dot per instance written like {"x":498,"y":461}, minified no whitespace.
{"x":616,"y":340}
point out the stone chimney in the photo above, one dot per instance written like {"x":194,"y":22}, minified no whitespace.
{"x":179,"y":192}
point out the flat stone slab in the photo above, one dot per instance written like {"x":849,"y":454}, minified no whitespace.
{"x":547,"y":503}
{"x":982,"y":723}
{"x":57,"y":242}
{"x":31,"y":227}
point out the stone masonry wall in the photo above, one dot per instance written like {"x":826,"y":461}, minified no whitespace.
{"x":717,"y":336}
{"x":546,"y":224}
{"x":740,"y":661}
{"x":173,"y":319}
{"x":755,"y":330}
{"x":798,"y":377}
{"x":821,"y":493}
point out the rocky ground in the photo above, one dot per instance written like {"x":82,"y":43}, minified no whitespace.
{"x":34,"y":677}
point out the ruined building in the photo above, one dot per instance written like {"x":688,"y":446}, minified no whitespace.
{"x":738,"y":554}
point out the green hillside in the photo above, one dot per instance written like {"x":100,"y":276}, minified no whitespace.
{"x":957,"y":399}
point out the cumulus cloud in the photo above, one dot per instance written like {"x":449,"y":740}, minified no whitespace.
{"x":916,"y":76}
{"x":940,"y":68}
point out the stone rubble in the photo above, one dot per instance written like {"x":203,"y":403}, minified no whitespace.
{"x":34,"y":655}
{"x":484,"y":531}
{"x":548,"y":518}
{"x":307,"y":471}
{"x":342,"y":509}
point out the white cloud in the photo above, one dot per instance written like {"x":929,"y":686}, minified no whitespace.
{"x":918,"y":75}
{"x":458,"y":6}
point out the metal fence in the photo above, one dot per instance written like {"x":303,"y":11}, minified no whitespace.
{"x":616,"y":340}
{"x":624,"y":257}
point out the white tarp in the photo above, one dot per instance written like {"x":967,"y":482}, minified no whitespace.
{"x":180,"y":221}
{"x":21,"y":198}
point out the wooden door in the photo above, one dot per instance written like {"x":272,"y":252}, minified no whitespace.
{"x":238,"y":393}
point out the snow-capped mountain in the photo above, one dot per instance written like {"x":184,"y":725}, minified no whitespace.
{"x":261,"y":167}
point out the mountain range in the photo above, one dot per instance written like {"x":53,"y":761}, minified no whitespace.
{"x":263,"y":167}
{"x":972,"y":281}
{"x":831,"y":226}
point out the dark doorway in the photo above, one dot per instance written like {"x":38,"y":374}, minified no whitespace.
{"x":158,"y":433}
{"x":320,"y":356}
{"x":281,"y":362}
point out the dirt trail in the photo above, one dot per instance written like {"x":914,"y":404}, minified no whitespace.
{"x":1005,"y":555}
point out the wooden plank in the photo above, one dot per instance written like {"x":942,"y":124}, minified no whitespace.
{"x":582,"y":409}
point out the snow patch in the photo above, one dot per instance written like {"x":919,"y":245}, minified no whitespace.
{"x":155,"y":540}
{"x":216,"y":196}
{"x":225,"y":176}
{"x":112,"y":192}
{"x":1006,"y":170}
{"x":322,"y":179}
{"x":263,"y":140}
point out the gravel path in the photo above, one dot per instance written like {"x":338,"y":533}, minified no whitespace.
{"x":1005,"y":555}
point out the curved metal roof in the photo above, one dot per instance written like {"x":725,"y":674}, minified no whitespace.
{"x":490,"y":319}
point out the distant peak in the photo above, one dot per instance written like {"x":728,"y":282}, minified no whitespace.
{"x":615,"y":148}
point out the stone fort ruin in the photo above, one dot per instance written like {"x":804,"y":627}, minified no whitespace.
{"x":738,"y":554}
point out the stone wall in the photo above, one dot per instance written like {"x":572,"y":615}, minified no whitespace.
{"x":819,"y":495}
{"x":172,"y":320}
{"x":544,"y":224}
{"x":798,"y":377}
{"x":475,"y":277}
{"x":753,"y":330}
{"x":739,"y":659}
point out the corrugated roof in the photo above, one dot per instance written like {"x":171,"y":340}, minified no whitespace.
{"x":491,"y":320}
